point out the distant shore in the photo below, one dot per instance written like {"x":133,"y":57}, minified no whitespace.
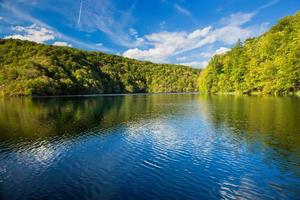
{"x":297,"y":94}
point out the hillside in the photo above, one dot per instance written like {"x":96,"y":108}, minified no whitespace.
{"x":269,"y":64}
{"x":28,"y":68}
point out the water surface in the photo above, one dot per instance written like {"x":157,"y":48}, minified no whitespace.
{"x":179,"y":146}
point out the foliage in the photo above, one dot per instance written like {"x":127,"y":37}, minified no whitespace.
{"x":269,"y":64}
{"x":28,"y":68}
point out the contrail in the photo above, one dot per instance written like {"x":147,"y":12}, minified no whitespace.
{"x":79,"y":15}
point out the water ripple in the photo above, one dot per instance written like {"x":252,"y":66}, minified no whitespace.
{"x":176,"y":147}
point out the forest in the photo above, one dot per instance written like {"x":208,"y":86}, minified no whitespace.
{"x":269,"y":64}
{"x":30,"y":69}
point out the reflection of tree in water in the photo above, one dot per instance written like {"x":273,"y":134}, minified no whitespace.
{"x":272,"y":122}
{"x":40,"y":117}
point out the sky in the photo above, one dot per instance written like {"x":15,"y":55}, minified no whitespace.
{"x":187,"y":32}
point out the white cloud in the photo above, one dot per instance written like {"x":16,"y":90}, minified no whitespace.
{"x":182,"y":10}
{"x":271,"y":3}
{"x":209,"y":54}
{"x":80,"y":12}
{"x":30,"y":2}
{"x":237,"y":19}
{"x":99,"y":44}
{"x":32,"y":33}
{"x":231,"y":34}
{"x":58,"y":43}
{"x":162,"y":24}
{"x":1,"y":18}
{"x":138,"y":41}
{"x":166,"y":44}
{"x":133,"y":32}
{"x":195,"y":64}
{"x":199,"y":33}
{"x":162,"y":46}
{"x":221,"y":50}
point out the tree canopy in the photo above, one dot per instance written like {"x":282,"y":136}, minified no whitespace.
{"x":28,"y":68}
{"x":269,"y":64}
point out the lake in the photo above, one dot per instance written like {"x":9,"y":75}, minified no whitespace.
{"x":174,"y":146}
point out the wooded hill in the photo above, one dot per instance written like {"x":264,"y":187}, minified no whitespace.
{"x":269,"y":64}
{"x":28,"y":68}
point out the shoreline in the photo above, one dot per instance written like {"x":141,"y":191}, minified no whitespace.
{"x":297,"y":94}
{"x":110,"y":95}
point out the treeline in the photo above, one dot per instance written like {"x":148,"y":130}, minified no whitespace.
{"x":28,"y":68}
{"x":269,"y":64}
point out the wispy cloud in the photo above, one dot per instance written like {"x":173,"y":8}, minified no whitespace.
{"x":237,"y":19}
{"x":271,"y":3}
{"x":133,"y":32}
{"x":182,"y":10}
{"x":90,"y":16}
{"x":17,"y":15}
{"x":105,"y":17}
{"x":162,"y":25}
{"x":79,"y":14}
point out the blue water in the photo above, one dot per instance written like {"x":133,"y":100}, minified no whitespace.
{"x":179,"y":146}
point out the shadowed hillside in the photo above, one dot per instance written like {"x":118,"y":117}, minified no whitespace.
{"x":28,"y":68}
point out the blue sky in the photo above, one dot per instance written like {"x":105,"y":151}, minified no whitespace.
{"x":185,"y":32}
